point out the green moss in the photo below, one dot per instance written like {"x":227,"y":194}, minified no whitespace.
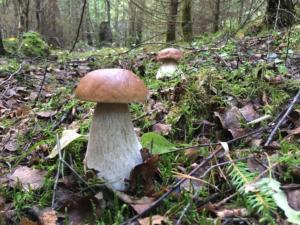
{"x":11,"y":44}
{"x":33,"y":45}
{"x":8,"y":66}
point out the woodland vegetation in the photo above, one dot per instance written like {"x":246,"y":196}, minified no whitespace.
{"x":218,"y":135}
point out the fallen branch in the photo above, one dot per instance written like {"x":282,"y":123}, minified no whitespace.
{"x":281,"y":120}
{"x":41,"y":87}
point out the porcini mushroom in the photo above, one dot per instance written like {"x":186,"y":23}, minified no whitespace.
{"x":113,"y":147}
{"x":169,"y":58}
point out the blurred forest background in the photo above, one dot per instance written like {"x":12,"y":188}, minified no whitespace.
{"x":131,"y":22}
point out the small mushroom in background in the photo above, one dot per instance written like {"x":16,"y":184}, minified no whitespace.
{"x":169,"y":58}
{"x":113,"y":148}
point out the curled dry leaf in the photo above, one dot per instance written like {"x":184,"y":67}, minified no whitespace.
{"x":138,"y":204}
{"x":47,"y":217}
{"x":46,"y":114}
{"x":293,"y":197}
{"x":248,"y":112}
{"x":154,"y":220}
{"x":29,"y":178}
{"x":161,"y":128}
{"x":143,"y":175}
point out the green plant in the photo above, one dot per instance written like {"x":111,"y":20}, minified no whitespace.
{"x":33,"y":45}
{"x":261,"y":202}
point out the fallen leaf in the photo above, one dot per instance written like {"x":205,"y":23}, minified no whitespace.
{"x":229,"y":118}
{"x":143,"y":175}
{"x":29,"y":178}
{"x":46,"y":114}
{"x":154,"y":220}
{"x":138,"y":204}
{"x":26,"y":221}
{"x":47,"y":217}
{"x":248,"y":112}
{"x":293,"y":197}
{"x":294,"y":132}
{"x":280,"y":198}
{"x":11,"y":146}
{"x":68,"y":136}
{"x":163,"y":129}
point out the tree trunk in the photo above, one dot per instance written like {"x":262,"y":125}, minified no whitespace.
{"x":38,"y":15}
{"x":280,"y":13}
{"x":132,"y":23}
{"x":87,"y":26}
{"x":187,"y":25}
{"x":216,"y":15}
{"x":139,"y":23}
{"x":107,"y":2}
{"x":23,"y":16}
{"x":2,"y":50}
{"x":241,"y":12}
{"x":171,"y":25}
{"x":105,"y":34}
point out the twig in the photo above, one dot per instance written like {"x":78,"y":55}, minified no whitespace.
{"x":222,"y":202}
{"x":79,"y":26}
{"x":183,"y":213}
{"x":58,"y":171}
{"x":171,"y":190}
{"x":41,"y":87}
{"x":11,"y":75}
{"x":277,"y":15}
{"x":292,"y":104}
{"x":229,"y":142}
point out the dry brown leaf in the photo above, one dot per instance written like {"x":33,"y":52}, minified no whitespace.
{"x":293,"y":197}
{"x":11,"y":146}
{"x":29,"y":178}
{"x":294,"y":132}
{"x":143,"y":175}
{"x":154,"y":220}
{"x":46,"y":114}
{"x":48,"y":217}
{"x":27,"y":221}
{"x":138,"y":204}
{"x":248,"y":112}
{"x":161,"y":128}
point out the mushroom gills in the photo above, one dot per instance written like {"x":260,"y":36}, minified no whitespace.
{"x":113,"y":148}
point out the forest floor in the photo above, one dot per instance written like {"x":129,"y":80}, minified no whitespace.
{"x":211,"y":158}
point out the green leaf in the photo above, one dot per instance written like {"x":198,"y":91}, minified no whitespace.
{"x":159,"y":144}
{"x":282,"y":69}
{"x":280,"y":199}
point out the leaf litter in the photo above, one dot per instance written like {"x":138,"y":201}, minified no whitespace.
{"x":164,"y":119}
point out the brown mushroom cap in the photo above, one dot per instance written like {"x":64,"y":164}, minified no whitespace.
{"x":169,"y":53}
{"x":111,"y":86}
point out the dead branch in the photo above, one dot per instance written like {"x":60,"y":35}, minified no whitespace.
{"x":281,"y":120}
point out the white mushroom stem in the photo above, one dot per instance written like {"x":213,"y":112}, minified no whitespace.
{"x":113,"y":148}
{"x":166,"y":69}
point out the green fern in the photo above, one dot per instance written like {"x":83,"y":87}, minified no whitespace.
{"x":261,"y":202}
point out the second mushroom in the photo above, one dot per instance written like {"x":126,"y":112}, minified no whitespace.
{"x":169,"y":58}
